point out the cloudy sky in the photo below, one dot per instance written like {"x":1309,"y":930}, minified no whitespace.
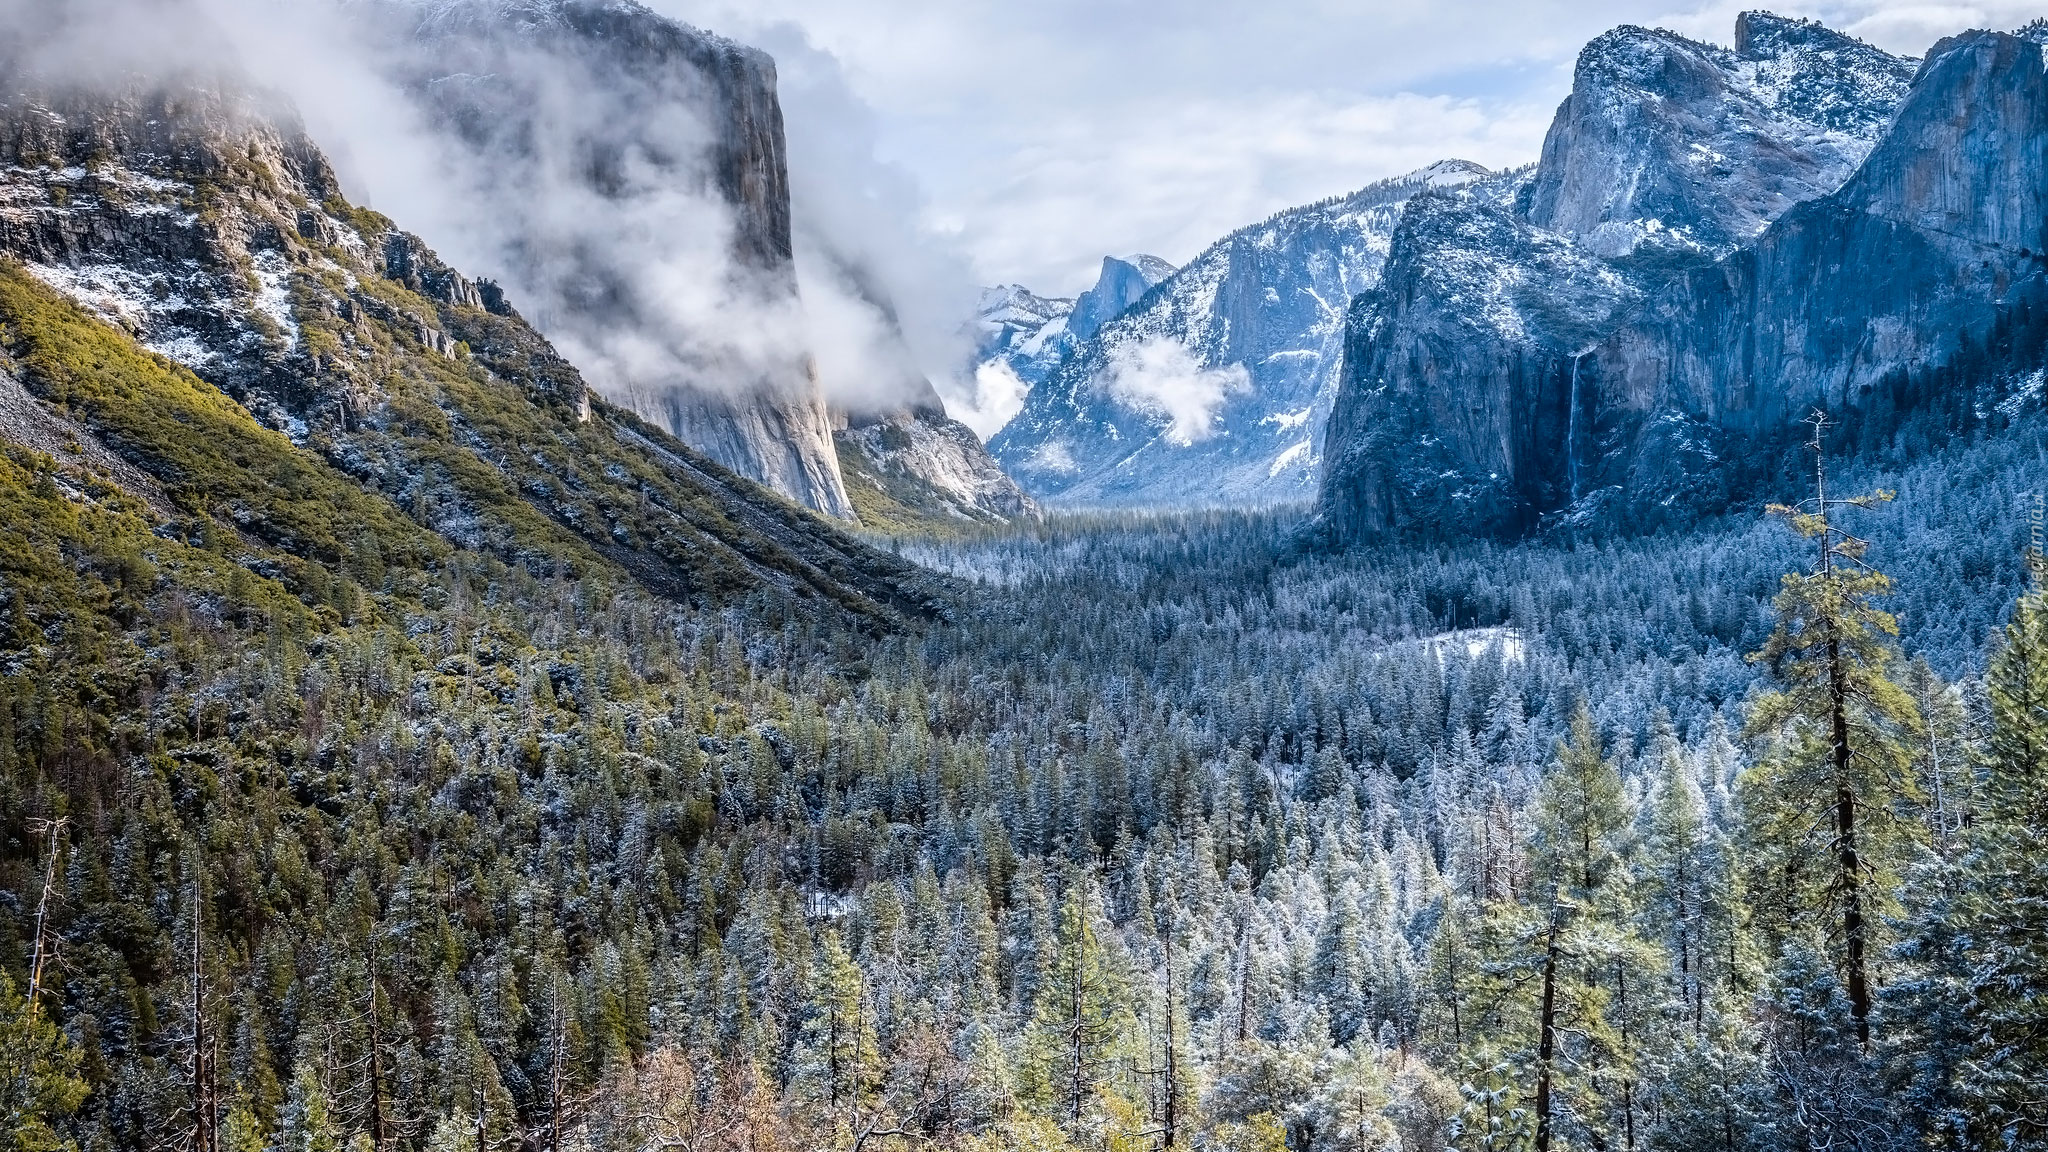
{"x":1043,"y":136}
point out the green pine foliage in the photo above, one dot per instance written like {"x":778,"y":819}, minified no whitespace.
{"x":40,"y":1085}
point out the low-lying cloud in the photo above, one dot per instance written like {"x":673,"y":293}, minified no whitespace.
{"x":997,"y":396}
{"x":583,"y":180}
{"x":1161,"y":377}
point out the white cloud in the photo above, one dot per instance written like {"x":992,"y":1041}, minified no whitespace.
{"x":1047,"y":137}
{"x":1161,"y":376}
{"x":1172,"y":177}
{"x":998,"y":395}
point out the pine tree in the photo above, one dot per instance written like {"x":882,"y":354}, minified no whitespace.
{"x":2003,"y":908}
{"x":1561,"y":1003}
{"x":39,"y":1080}
{"x":308,"y":1123}
{"x":1082,"y":1012}
{"x":839,"y":1060}
{"x":1835,"y":795}
{"x":1581,"y":821}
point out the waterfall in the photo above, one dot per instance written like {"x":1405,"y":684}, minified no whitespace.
{"x":1571,"y":435}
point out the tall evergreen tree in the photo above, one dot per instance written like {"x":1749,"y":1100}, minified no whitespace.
{"x":39,"y":1080}
{"x":1083,"y":1012}
{"x":839,"y":1059}
{"x":1835,"y":794}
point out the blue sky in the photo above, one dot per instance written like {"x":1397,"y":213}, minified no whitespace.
{"x":1037,"y":138}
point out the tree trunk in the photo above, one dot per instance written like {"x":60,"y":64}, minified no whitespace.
{"x":1851,"y":864}
{"x":1546,"y":1045}
{"x":40,"y":950}
{"x":1170,"y":1121}
{"x":205,"y":1103}
{"x":376,"y":1058}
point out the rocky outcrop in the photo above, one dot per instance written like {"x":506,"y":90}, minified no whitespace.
{"x":1660,"y":395}
{"x":631,"y":175}
{"x":916,"y":468}
{"x":1121,"y":283}
{"x":1687,"y":146}
{"x":192,"y":217}
{"x":1213,"y":390}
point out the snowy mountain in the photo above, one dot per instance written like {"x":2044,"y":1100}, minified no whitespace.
{"x":1030,"y":334}
{"x":1714,"y":243}
{"x":1213,"y":389}
{"x":1021,"y":331}
{"x":1677,"y":145}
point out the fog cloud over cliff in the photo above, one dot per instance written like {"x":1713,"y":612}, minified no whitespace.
{"x":585,"y":188}
{"x":862,"y":219}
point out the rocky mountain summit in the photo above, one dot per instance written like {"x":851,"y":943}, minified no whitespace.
{"x":1612,"y":340}
{"x":1213,"y":388}
{"x":1675,"y":145}
{"x":1030,"y":334}
{"x":240,"y":343}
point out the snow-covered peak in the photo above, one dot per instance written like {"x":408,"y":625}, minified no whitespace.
{"x":1151,"y":267}
{"x":1667,"y":135}
{"x":1445,"y":174}
{"x":1014,"y":303}
{"x":1244,"y":342}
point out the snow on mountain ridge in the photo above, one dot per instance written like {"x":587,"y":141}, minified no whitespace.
{"x":1026,"y":335}
{"x":1710,"y":143}
{"x":1269,"y":301}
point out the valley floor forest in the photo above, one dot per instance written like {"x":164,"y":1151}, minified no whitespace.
{"x":1156,"y":832}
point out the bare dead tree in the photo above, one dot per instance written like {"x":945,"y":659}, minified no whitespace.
{"x":43,"y":947}
{"x":205,"y":1136}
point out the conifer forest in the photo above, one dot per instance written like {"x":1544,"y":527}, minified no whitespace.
{"x":413,"y":740}
{"x":1163,"y":832}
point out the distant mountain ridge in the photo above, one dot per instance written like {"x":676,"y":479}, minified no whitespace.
{"x":1030,"y":334}
{"x":1265,"y":304}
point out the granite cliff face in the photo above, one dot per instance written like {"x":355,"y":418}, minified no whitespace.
{"x":1638,"y":383}
{"x":650,"y":221}
{"x":1688,"y":146}
{"x":622,"y":154}
{"x":202,"y":225}
{"x":1213,"y":389}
